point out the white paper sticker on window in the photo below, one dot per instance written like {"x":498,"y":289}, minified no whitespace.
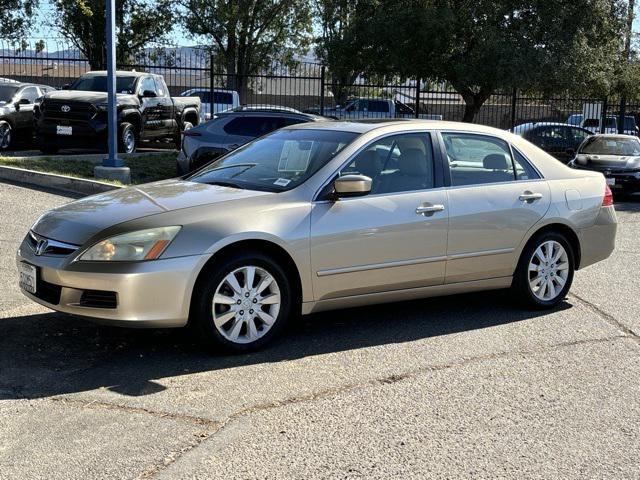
{"x":282,"y":182}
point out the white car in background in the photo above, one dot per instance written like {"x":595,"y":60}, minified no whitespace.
{"x":222,"y":100}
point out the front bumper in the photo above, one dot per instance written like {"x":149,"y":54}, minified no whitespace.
{"x":147,"y":294}
{"x":90,"y":134}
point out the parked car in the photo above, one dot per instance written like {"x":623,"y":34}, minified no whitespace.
{"x":16,"y":111}
{"x":558,"y":139}
{"x":617,"y":157}
{"x":363,"y":107}
{"x":76,"y":117}
{"x":231,"y":129}
{"x":320,"y":216}
{"x":222,"y":100}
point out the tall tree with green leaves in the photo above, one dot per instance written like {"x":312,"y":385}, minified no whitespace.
{"x":481,"y":46}
{"x":14,"y":17}
{"x":138,"y":22}
{"x":247,"y":35}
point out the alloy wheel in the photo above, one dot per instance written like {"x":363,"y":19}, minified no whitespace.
{"x":129,"y":141}
{"x":246,"y":304}
{"x":548,"y":270}
{"x":5,"y":136}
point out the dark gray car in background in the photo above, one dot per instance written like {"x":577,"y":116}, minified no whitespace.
{"x":16,"y":111}
{"x":233,"y":128}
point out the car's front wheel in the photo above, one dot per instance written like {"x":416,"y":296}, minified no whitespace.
{"x":5,"y":135}
{"x":127,"y":139}
{"x":545,"y":270}
{"x":242,"y":302}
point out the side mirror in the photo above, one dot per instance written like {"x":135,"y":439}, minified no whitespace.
{"x":570,"y":152}
{"x":352,"y":186}
{"x":149,"y":94}
{"x":22,"y":101}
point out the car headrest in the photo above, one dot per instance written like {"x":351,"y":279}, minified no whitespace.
{"x":495,"y":161}
{"x":369,"y":163}
{"x":413,"y":162}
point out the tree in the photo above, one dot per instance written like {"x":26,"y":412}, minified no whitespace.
{"x":138,"y":23}
{"x":14,"y":16}
{"x":247,"y":35}
{"x":480,"y":46}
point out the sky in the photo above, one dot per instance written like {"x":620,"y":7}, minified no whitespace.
{"x":42,"y":29}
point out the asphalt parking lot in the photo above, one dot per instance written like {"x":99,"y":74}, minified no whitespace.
{"x":468,"y":386}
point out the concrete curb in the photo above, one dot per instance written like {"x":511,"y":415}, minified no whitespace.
{"x":52,"y":180}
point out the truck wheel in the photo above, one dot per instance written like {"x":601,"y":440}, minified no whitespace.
{"x":178,"y":138}
{"x":5,"y":135}
{"x":128,"y":139}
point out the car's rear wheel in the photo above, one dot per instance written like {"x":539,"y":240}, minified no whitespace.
{"x":128,"y":139}
{"x":545,"y":270}
{"x":242,"y":303}
{"x":5,"y":135}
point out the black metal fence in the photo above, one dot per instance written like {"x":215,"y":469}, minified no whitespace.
{"x":302,"y":86}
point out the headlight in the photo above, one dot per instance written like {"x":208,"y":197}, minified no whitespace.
{"x":131,"y":247}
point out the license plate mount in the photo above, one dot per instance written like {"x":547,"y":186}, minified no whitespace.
{"x":64,"y":130}
{"x":28,"y":278}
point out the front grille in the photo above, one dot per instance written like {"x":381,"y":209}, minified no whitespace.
{"x":98,"y":299}
{"x":48,"y":292}
{"x":46,"y":246}
{"x":77,"y":110}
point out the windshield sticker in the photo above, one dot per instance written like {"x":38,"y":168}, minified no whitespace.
{"x":282,"y":182}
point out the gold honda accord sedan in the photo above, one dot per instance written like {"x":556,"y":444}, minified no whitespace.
{"x":323,"y":216}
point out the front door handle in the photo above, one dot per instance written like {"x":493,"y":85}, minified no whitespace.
{"x":429,"y":209}
{"x":529,"y":197}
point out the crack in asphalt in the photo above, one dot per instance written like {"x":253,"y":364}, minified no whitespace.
{"x":213,"y":427}
{"x":608,"y":318}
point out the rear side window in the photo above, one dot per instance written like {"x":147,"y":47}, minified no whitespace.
{"x":523,"y":169}
{"x":250,"y":126}
{"x":476,"y":159}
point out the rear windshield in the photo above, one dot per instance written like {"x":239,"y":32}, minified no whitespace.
{"x":98,"y":83}
{"x":611,"y":146}
{"x":276,"y":162}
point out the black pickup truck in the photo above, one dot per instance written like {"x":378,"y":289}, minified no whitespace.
{"x":16,"y":111}
{"x":76,"y":117}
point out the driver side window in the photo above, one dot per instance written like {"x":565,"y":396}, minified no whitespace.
{"x":148,"y":84}
{"x":398,"y":163}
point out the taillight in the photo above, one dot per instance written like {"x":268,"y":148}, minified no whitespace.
{"x":607,"y":201}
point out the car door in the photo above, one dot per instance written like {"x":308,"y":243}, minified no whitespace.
{"x":553,"y":139}
{"x":168,"y":120}
{"x":24,"y":100}
{"x":150,"y":108}
{"x":393,"y":238}
{"x":494,"y":198}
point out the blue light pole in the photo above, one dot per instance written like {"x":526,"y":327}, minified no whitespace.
{"x":112,"y":167}
{"x":112,"y":160}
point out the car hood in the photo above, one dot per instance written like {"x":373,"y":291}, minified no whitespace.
{"x":627,"y":162}
{"x":94,"y":98}
{"x":78,"y":221}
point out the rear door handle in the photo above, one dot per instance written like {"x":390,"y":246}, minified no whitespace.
{"x":529,"y":197}
{"x":429,"y":209}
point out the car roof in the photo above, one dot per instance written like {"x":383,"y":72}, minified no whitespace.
{"x":271,"y":113}
{"x":9,"y":82}
{"x":128,"y":73}
{"x":400,"y":125}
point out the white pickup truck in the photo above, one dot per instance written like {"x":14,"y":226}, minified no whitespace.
{"x":222,"y":100}
{"x":374,"y":108}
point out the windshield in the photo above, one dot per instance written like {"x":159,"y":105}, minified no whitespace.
{"x":277,"y":162}
{"x":612,"y":146}
{"x":98,"y":83}
{"x":7,"y":92}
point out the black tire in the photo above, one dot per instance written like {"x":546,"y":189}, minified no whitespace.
{"x":521,"y":281}
{"x":177,"y":139}
{"x":6,"y":135}
{"x":127,"y":138}
{"x":202,"y":307}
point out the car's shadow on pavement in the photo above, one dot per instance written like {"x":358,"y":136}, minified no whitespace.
{"x":52,"y":354}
